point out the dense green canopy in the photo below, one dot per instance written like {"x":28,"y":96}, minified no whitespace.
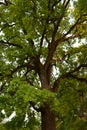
{"x":43,"y":59}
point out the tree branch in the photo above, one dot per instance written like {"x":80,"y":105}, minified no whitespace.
{"x":68,"y":74}
{"x":2,"y":3}
{"x":19,"y":67}
{"x":1,"y":87}
{"x":42,"y":38}
{"x":55,"y":3}
{"x":58,"y":41}
{"x":66,"y":4}
{"x":78,"y":78}
{"x":10,"y":44}
{"x":72,"y":27}
{"x":53,"y":45}
{"x":71,"y":37}
{"x":8,"y":76}
{"x":6,"y":25}
{"x":5,"y":2}
{"x":33,"y":105}
{"x":76,"y":69}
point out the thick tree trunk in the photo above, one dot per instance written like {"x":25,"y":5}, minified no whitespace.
{"x":48,"y":119}
{"x":47,"y":115}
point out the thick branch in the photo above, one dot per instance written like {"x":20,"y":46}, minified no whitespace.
{"x":52,"y":50}
{"x":54,"y":44}
{"x":68,"y":74}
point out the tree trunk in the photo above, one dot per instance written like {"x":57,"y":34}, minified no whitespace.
{"x":48,"y":119}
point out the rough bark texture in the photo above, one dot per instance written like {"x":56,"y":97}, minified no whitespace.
{"x":48,"y":119}
{"x":47,"y":115}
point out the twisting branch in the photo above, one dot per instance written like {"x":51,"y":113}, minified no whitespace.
{"x":68,"y":74}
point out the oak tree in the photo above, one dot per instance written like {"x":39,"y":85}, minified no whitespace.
{"x":43,"y":64}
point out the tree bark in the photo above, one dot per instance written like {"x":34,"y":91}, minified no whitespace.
{"x":48,"y":119}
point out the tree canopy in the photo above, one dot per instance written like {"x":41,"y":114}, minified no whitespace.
{"x":43,"y":64}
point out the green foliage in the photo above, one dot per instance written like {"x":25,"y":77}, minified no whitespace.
{"x":40,"y":64}
{"x":82,"y":6}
